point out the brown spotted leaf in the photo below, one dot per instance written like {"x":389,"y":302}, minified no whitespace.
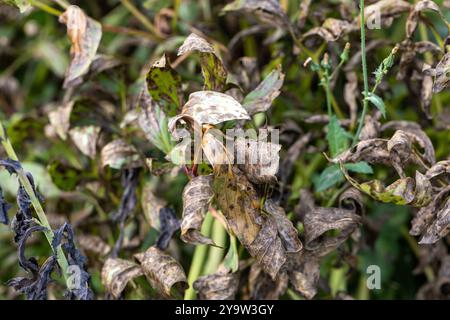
{"x":221,"y":285}
{"x":151,"y":205}
{"x":261,"y":98}
{"x":85,"y":35}
{"x":263,"y":287}
{"x":116,"y":274}
{"x":85,"y":138}
{"x":163,"y":272}
{"x":119,"y":154}
{"x":197,"y":196}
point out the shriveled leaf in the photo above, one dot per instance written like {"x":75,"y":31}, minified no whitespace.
{"x":116,"y":274}
{"x":162,"y":84}
{"x":210,"y":107}
{"x":169,"y":224}
{"x":94,"y":244}
{"x":60,"y":119}
{"x":218,"y":286}
{"x":261,"y":98}
{"x":85,"y":138}
{"x":304,"y":274}
{"x":119,"y":154}
{"x":442,"y":78}
{"x":263,"y":287}
{"x":413,"y":18}
{"x":197,"y":196}
{"x":163,"y":271}
{"x":268,"y":11}
{"x":240,"y":203}
{"x":331,"y":30}
{"x":151,"y":206}
{"x":415,"y":192}
{"x":85,"y":35}
{"x":213,"y":70}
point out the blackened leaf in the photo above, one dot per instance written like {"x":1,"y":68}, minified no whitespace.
{"x":116,"y":274}
{"x":218,"y":286}
{"x":261,"y":98}
{"x":162,"y":84}
{"x":119,"y":154}
{"x":164,"y":272}
{"x":213,"y":69}
{"x":85,"y":35}
{"x":197,"y":196}
{"x":29,"y":265}
{"x":4,"y":207}
{"x":169,"y":224}
{"x":11,"y":165}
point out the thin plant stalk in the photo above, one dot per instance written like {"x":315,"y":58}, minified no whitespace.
{"x":215,"y":255}
{"x":142,"y":18}
{"x":198,"y":259}
{"x":42,"y":218}
{"x":365,"y":77}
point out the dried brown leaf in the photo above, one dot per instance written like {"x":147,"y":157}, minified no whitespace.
{"x":218,"y":286}
{"x":85,"y":138}
{"x":119,"y":154}
{"x":116,"y":274}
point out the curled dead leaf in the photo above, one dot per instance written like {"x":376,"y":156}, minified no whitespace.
{"x":163,"y":272}
{"x":116,"y":274}
{"x":218,"y":286}
{"x":119,"y":154}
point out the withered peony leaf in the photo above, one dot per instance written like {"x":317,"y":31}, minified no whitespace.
{"x":85,"y":35}
{"x":214,"y":147}
{"x":331,"y":30}
{"x":119,"y":154}
{"x":169,"y":224}
{"x":262,"y":287}
{"x":261,"y":98}
{"x":261,"y":162}
{"x":60,"y":119}
{"x":440,"y":170}
{"x":240,"y":205}
{"x":318,"y":221}
{"x":163,"y":271}
{"x":286,"y":229}
{"x":197,"y":196}
{"x":85,"y":138}
{"x":151,"y":206}
{"x":386,"y":9}
{"x":415,"y":133}
{"x":210,"y":107}
{"x":413,"y":18}
{"x":218,"y":286}
{"x":304,"y":273}
{"x":213,"y":69}
{"x":442,"y":78}
{"x":94,"y":244}
{"x":116,"y":274}
{"x":415,"y":192}
{"x":153,"y":122}
{"x":426,"y":95}
{"x":433,"y":221}
{"x":268,"y":11}
{"x":162,"y":84}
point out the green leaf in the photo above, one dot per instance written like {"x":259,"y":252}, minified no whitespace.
{"x":359,"y":167}
{"x":231,"y":260}
{"x":377,"y":102}
{"x":332,"y":175}
{"x":337,"y":137}
{"x":66,"y":178}
{"x":162,"y":84}
{"x":328,"y":178}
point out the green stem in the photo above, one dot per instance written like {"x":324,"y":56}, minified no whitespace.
{"x":62,"y":261}
{"x":364,"y":66}
{"x":215,"y":254}
{"x":198,"y":259}
{"x":45,"y":7}
{"x":142,"y":18}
